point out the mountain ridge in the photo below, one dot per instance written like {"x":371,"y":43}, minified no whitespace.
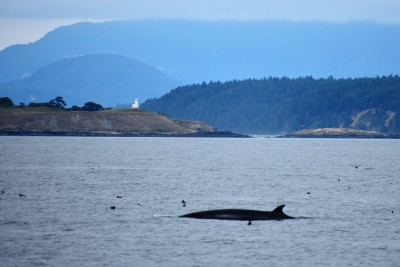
{"x":196,"y":51}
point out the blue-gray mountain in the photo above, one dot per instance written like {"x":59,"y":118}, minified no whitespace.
{"x":106,"y":79}
{"x":196,"y":51}
{"x":283,"y":105}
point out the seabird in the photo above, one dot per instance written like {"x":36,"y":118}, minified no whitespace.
{"x":112,"y":207}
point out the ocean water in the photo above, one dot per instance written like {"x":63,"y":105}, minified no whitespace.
{"x":70,"y":183}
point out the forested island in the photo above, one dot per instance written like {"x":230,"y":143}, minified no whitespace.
{"x":285,"y":105}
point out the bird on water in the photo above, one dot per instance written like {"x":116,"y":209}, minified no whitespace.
{"x":356,"y":165}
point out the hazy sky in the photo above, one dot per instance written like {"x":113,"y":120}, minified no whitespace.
{"x":24,"y":21}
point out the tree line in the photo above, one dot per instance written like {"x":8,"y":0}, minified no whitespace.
{"x":278,"y":105}
{"x":56,"y":103}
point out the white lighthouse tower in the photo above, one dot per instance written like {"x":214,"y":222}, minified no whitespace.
{"x":135,"y":104}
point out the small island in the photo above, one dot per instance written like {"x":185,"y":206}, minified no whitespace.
{"x":93,"y":120}
{"x":54,"y":119}
{"x":118,"y":122}
{"x":339,"y":133}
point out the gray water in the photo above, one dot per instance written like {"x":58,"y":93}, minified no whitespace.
{"x":70,"y":183}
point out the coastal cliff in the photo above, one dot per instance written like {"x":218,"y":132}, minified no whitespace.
{"x":44,"y":121}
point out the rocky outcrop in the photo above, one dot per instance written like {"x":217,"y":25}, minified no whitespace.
{"x":338,"y":133}
{"x":31,"y":121}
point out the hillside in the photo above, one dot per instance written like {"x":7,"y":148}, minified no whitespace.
{"x":196,"y":51}
{"x":45,"y":121}
{"x":106,"y":79}
{"x":283,"y":105}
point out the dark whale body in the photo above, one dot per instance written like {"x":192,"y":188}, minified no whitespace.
{"x":240,"y":214}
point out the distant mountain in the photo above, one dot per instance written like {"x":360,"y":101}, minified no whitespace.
{"x":106,"y":79}
{"x":283,"y":105}
{"x":196,"y":51}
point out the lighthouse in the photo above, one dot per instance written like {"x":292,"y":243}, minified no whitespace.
{"x":135,"y":104}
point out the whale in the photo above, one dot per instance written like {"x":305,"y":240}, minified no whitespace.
{"x":240,"y":214}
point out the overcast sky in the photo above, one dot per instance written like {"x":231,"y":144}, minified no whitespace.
{"x":24,"y":21}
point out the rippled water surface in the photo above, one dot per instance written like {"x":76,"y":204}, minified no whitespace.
{"x":69,"y":185}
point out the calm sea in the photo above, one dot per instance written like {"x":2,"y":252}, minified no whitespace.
{"x":70,"y":183}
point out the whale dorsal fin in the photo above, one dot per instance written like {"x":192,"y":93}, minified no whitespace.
{"x":279,"y":209}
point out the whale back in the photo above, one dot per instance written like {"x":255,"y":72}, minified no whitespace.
{"x":240,"y":214}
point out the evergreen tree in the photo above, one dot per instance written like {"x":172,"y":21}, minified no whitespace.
{"x":6,"y":102}
{"x":58,"y":102}
{"x":92,"y":106}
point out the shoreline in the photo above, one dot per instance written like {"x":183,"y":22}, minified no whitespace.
{"x":340,"y":133}
{"x":216,"y":134}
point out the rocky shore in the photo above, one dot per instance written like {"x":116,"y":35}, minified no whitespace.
{"x":339,"y":133}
